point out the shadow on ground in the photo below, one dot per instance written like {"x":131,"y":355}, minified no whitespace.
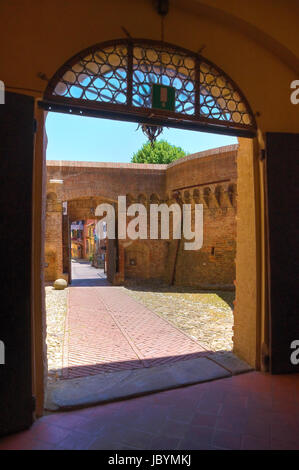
{"x":138,"y":381}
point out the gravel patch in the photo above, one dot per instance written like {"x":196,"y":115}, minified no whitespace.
{"x":204,"y":315}
{"x":56,"y":309}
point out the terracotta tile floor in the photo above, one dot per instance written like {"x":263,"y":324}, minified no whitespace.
{"x":249,"y":411}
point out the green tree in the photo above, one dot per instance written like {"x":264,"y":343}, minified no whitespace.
{"x":160,"y":152}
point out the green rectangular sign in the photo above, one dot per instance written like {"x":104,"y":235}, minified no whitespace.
{"x":163,"y":97}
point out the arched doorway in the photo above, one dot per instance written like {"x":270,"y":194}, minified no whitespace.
{"x":117,"y":80}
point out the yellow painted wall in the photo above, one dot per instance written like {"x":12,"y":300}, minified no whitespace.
{"x":248,"y":307}
{"x":261,"y":55}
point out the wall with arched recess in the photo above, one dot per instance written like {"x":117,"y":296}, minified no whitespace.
{"x":84,"y":185}
{"x":207,"y":178}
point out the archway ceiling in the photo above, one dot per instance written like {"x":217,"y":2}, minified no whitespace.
{"x":249,"y":20}
{"x":116,"y":78}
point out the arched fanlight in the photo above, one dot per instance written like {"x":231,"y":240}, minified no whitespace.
{"x":117,"y":78}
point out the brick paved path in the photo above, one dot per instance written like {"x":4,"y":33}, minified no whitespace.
{"x":107,"y":330}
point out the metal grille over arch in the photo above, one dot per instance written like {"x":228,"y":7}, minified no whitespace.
{"x":116,"y":78}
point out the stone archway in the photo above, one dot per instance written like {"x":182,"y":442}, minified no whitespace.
{"x":224,"y":122}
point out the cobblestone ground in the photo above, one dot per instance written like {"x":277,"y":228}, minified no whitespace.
{"x":205,"y":316}
{"x":56,"y":308}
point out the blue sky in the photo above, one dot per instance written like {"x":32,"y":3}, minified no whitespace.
{"x":79,"y":138}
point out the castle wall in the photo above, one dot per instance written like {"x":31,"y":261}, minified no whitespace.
{"x":207,"y":178}
{"x":107,"y":180}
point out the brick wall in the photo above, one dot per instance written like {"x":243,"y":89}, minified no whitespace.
{"x":207,"y":178}
{"x":107,"y":180}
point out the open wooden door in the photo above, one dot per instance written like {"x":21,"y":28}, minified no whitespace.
{"x":282,"y":169}
{"x":16,"y":165}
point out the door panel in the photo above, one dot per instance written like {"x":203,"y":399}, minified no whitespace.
{"x":283,"y":196}
{"x":16,"y":164}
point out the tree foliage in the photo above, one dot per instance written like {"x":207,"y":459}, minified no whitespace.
{"x":161,"y":152}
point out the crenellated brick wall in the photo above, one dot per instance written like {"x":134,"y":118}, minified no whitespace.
{"x":206,"y":177}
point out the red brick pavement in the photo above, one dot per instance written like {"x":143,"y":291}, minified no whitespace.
{"x":109,"y":331}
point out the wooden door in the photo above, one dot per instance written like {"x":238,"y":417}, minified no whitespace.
{"x":16,"y":166}
{"x":282,"y":170}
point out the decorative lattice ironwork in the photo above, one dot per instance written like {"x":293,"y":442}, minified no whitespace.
{"x":219,"y":98}
{"x":165,"y":67}
{"x":118,"y":76}
{"x":99,"y":76}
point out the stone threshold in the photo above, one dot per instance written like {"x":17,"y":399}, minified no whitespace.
{"x":107,"y":387}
